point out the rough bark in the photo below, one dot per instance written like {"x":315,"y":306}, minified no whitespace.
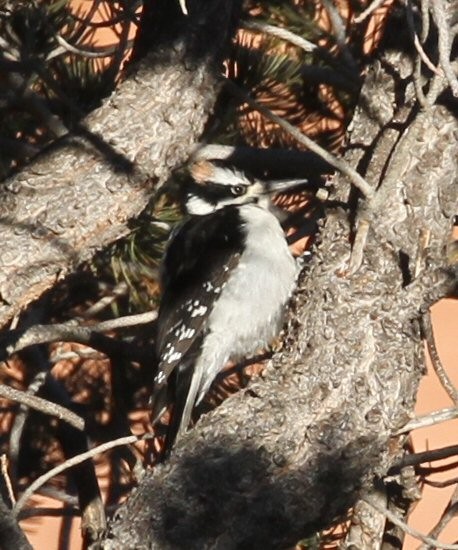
{"x":285,"y":456}
{"x":79,"y":195}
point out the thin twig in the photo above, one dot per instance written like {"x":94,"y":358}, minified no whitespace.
{"x":119,"y":290}
{"x":424,"y":20}
{"x":406,"y":528}
{"x":424,"y":57}
{"x":55,"y":493}
{"x":341,"y":165}
{"x":123,"y":44}
{"x":17,"y":429}
{"x":340,"y":33}
{"x":444,"y":44}
{"x":421,"y":52}
{"x":49,"y":512}
{"x":123,"y":15}
{"x":430,"y":419}
{"x":417,"y":74}
{"x":425,"y":456}
{"x":344,"y":77}
{"x":93,"y":53}
{"x":444,"y":379}
{"x":126,"y":321}
{"x":70,"y":331}
{"x":67,"y":511}
{"x":42,"y":405}
{"x":86,"y":21}
{"x":440,"y":484}
{"x":449,"y":513}
{"x":283,"y":34}
{"x":6,"y":478}
{"x":370,"y":9}
{"x":78,"y":459}
{"x":437,"y":86}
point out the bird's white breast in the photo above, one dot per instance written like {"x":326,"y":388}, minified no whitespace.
{"x":249,"y":313}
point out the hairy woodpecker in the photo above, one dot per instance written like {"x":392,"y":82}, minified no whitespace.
{"x":226,"y":277}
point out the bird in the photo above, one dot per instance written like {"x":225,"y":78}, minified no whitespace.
{"x":226,"y":276}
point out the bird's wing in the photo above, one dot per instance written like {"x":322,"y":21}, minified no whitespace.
{"x":197,"y":263}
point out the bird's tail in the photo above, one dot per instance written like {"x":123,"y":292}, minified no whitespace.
{"x":181,"y":389}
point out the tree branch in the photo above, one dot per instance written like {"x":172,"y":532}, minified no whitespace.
{"x":74,"y":461}
{"x":42,"y":405}
{"x":79,"y":194}
{"x":410,"y":530}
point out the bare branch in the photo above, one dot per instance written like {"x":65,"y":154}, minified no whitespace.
{"x":424,"y":57}
{"x":121,"y":289}
{"x":374,"y":5}
{"x":283,"y":34}
{"x":425,"y":456}
{"x":42,"y":405}
{"x":17,"y":428}
{"x":127,"y":321}
{"x":424,"y":20}
{"x":417,"y":76}
{"x":73,"y":332}
{"x":430,"y":419}
{"x":440,"y":484}
{"x":6,"y":478}
{"x":78,"y":459}
{"x":445,"y":43}
{"x":444,"y":379}
{"x":450,"y":512}
{"x":339,"y":163}
{"x":40,"y":511}
{"x":403,"y":525}
{"x":93,"y":53}
{"x":119,"y":17}
{"x":66,"y":511}
{"x":340,"y":34}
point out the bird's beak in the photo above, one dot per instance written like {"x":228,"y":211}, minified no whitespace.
{"x":281,"y":186}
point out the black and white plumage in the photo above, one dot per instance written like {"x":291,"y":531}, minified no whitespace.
{"x":227,"y":275}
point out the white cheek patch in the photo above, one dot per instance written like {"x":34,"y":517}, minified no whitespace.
{"x":197,"y":206}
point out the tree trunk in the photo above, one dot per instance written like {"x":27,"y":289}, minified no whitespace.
{"x":79,"y":195}
{"x":288,"y":454}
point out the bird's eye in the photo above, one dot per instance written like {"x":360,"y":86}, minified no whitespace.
{"x":238,"y":190}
